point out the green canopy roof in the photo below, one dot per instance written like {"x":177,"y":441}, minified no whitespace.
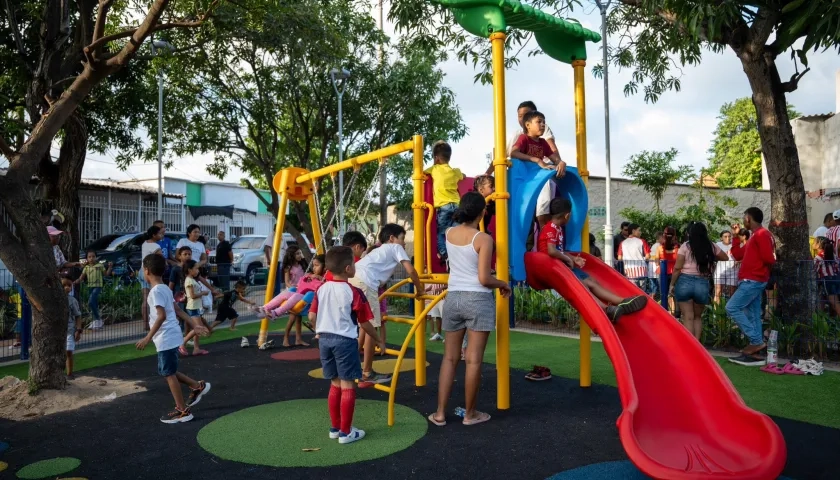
{"x":562,"y":40}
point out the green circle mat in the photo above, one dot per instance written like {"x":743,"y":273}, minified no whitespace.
{"x":276,"y":434}
{"x":49,"y":468}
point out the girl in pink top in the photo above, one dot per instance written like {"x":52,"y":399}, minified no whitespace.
{"x":286,"y":300}
{"x":690,"y":285}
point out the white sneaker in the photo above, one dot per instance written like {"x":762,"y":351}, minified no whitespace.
{"x":355,"y":435}
{"x":436,"y":338}
{"x":190,"y":343}
{"x":244,"y":343}
{"x":268,"y":344}
{"x":334,"y":434}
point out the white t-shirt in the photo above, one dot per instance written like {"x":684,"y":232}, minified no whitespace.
{"x":633,"y":251}
{"x":196,"y":247}
{"x":149,"y":248}
{"x":653,"y":267}
{"x":375,"y":268}
{"x":168,"y":335}
{"x":821,"y":231}
{"x":340,"y":308}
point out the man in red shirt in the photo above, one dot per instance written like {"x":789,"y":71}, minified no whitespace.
{"x":757,"y":257}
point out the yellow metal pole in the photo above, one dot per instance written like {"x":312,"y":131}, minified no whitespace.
{"x":314,"y":215}
{"x":500,"y":163}
{"x":354,"y":162}
{"x":275,"y":250}
{"x":580,"y":126}
{"x":420,"y":261}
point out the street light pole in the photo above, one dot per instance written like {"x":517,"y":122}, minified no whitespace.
{"x":608,"y":244}
{"x":157,"y":44}
{"x":335,"y":75}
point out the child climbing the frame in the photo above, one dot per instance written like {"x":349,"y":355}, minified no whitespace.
{"x":374,"y":270}
{"x":74,"y":325}
{"x":166,"y":335}
{"x":446,"y":196}
{"x":552,"y":242}
{"x":226,"y":310}
{"x":338,"y":311}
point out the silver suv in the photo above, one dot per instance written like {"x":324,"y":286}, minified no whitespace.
{"x":248,"y":255}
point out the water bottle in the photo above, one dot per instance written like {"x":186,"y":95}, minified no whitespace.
{"x":460,"y":412}
{"x":773,"y":347}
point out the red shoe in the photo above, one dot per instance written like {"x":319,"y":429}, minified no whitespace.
{"x":539,"y":374}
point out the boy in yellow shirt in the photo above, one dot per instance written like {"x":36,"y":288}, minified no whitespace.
{"x":446,"y":196}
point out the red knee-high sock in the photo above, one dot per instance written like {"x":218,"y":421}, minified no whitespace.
{"x":348,"y":404}
{"x":334,"y":402}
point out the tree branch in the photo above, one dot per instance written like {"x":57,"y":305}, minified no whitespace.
{"x":7,"y":151}
{"x":101,"y":18}
{"x":262,"y":199}
{"x":13,"y":26}
{"x":761,"y":28}
{"x":792,"y":84}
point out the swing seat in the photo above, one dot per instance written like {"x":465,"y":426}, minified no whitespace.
{"x":302,"y":307}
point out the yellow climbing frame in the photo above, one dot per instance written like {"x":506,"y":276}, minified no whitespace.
{"x":298,"y":184}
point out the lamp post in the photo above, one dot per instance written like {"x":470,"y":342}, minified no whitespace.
{"x":608,"y":244}
{"x":336,"y":75}
{"x":156,"y":45}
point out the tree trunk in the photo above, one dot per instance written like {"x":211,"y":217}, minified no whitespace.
{"x":787,"y":216}
{"x":28,"y":255}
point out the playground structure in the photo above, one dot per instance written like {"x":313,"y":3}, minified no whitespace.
{"x":682,"y":417}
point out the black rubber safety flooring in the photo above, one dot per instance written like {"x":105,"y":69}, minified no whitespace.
{"x":552,"y":426}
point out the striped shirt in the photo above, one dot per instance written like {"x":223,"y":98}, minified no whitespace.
{"x":632,"y":252}
{"x":833,"y":234}
{"x":824,"y":268}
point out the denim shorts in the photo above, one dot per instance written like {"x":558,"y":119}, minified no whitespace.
{"x":168,"y":362}
{"x":580,"y":274}
{"x":831,"y":285}
{"x":692,"y":288}
{"x":194,"y":313}
{"x":339,"y":357}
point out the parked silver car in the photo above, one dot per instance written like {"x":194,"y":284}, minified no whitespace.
{"x":248,"y":255}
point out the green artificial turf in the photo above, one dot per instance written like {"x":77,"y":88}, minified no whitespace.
{"x":276,"y":434}
{"x":49,"y":468}
{"x":805,"y":398}
{"x":84,"y":360}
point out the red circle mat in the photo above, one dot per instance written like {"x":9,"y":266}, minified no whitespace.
{"x":297,"y":354}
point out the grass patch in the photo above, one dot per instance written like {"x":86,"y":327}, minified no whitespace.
{"x":804,"y":398}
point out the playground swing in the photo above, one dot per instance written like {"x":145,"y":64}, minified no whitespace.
{"x":298,"y":184}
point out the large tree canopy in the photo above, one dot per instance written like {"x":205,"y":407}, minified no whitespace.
{"x":258,"y":95}
{"x":736,"y":149}
{"x":65,"y":50}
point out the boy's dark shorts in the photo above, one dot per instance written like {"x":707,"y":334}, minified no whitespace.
{"x":580,"y":274}
{"x":168,"y":362}
{"x":340,"y":357}
{"x":226,"y":313}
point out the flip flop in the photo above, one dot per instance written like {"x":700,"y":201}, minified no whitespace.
{"x":792,"y":369}
{"x":431,"y":418}
{"x":482,"y":417}
{"x":772,"y":368}
{"x":200,"y":352}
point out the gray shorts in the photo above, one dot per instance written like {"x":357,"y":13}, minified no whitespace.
{"x":474,"y":311}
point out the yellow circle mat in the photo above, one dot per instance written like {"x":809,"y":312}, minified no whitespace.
{"x":382,"y":366}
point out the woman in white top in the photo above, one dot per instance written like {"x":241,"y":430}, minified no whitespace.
{"x":470,"y":306}
{"x":199,"y":252}
{"x":150,"y":247}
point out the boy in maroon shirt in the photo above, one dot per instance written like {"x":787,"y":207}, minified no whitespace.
{"x":757,"y":257}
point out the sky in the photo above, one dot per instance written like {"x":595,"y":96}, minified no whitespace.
{"x":683,"y":120}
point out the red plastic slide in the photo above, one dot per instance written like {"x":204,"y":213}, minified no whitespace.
{"x":682,"y":418}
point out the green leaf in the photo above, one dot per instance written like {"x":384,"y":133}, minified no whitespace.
{"x":792,"y":6}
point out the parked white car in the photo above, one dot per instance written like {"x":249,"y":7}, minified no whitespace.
{"x":248,"y":255}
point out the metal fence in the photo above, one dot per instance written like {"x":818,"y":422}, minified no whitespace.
{"x":105,"y":214}
{"x":120,"y":307}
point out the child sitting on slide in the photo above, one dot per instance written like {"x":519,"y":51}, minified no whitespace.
{"x":552,"y":242}
{"x":286,"y":300}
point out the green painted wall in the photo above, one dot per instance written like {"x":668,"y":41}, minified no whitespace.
{"x":261,"y":208}
{"x":193,"y":194}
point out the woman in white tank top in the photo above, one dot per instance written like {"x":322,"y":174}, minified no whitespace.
{"x":470,"y":306}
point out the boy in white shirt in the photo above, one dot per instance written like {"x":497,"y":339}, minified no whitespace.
{"x":338,"y":312}
{"x":166,"y":335}
{"x":374,"y":270}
